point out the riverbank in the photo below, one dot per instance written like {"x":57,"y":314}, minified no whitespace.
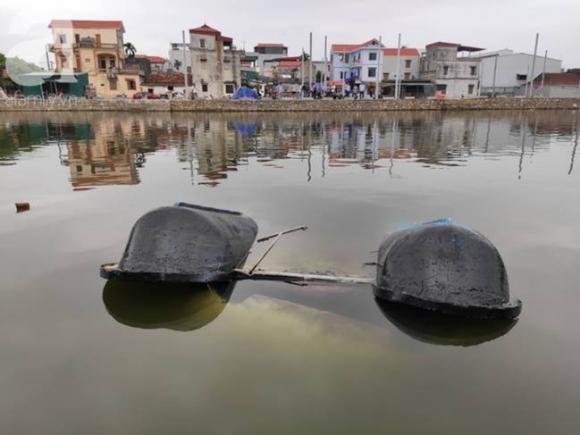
{"x":82,"y":105}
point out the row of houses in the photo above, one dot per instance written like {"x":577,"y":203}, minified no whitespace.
{"x":207,"y":64}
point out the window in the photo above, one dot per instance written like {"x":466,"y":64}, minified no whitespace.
{"x":77,"y":38}
{"x":204,"y":87}
{"x":79,"y":168}
{"x":113,"y":84}
{"x":188,"y":70}
{"x":385,"y":76}
{"x":346,"y":58}
{"x":470,"y":89}
{"x":62,"y":38}
{"x":521,"y":76}
{"x":372,"y":56}
{"x":372,"y":72}
{"x":203,"y":59}
{"x":442,"y":88}
{"x":445,"y":70}
{"x":229,"y":88}
{"x":103,"y":63}
{"x":131,"y":85}
{"x":202,"y":43}
{"x":342,"y":75}
{"x":408,"y":63}
{"x":112,"y":62}
{"x":473,"y":70}
{"x":407,"y":76}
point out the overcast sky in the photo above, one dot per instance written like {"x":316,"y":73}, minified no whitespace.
{"x":152,"y":24}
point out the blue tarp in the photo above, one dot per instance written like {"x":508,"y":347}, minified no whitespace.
{"x":245,"y":93}
{"x":246,"y":128}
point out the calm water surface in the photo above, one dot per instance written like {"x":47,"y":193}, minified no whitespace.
{"x":82,"y":356}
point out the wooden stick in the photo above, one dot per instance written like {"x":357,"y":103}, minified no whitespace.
{"x":263,"y":239}
{"x":277,"y":238}
{"x":268,"y":275}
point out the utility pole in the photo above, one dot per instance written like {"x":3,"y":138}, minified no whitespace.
{"x":527,"y":81}
{"x":494,"y":76}
{"x":398,"y":79}
{"x":47,"y":58}
{"x":185,"y":84}
{"x":544,"y":71}
{"x":310,"y":66}
{"x":302,"y":72}
{"x":531,"y":87}
{"x":379,"y":68}
{"x":324,"y":76}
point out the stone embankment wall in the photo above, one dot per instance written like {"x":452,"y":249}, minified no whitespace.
{"x":81,"y":105}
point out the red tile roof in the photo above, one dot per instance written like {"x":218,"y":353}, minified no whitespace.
{"x":289,"y":63}
{"x":344,"y":47}
{"x":404,"y":52}
{"x":152,"y":59}
{"x":350,"y":47}
{"x":205,"y":30}
{"x":166,"y":78}
{"x":86,"y":24}
{"x":558,"y":79}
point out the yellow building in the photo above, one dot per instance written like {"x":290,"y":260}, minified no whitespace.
{"x":97,"y":48}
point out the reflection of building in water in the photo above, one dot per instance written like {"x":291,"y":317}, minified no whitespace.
{"x":107,"y":159}
{"x":367,"y":143}
{"x":218,"y":149}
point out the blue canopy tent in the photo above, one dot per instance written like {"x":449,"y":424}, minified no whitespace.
{"x":245,"y":93}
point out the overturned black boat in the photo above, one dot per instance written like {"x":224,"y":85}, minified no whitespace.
{"x":185,"y":243}
{"x":436,"y":266}
{"x":446,"y":268}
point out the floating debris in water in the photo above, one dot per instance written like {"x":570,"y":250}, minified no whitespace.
{"x":22,"y":207}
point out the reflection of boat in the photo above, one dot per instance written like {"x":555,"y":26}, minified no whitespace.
{"x":435,"y":328}
{"x":176,"y":306}
{"x":185,"y":243}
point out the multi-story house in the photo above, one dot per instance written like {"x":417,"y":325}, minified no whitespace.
{"x":268,"y":51}
{"x":409,"y":66}
{"x":96,"y":48}
{"x":358,"y":63}
{"x":371,"y":61}
{"x":456,"y":76}
{"x":511,"y":70}
{"x":212,"y":60}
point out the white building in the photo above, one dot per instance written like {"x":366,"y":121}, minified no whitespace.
{"x":358,"y":63}
{"x":456,"y":76}
{"x":513,"y":70}
{"x":371,"y":61}
{"x":211,"y":59}
{"x":267,"y":51}
{"x":410,"y":60}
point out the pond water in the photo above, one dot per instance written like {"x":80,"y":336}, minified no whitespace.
{"x":80,"y":355}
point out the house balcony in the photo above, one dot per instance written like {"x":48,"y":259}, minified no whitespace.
{"x":113,"y":72}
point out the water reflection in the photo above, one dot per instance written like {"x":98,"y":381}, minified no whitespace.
{"x":179,"y":307}
{"x":184,"y":307}
{"x":110,"y":149}
{"x":433,"y":328}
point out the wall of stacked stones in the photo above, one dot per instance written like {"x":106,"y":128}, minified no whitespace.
{"x":82,"y":105}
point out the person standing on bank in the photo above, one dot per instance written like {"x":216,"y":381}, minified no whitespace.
{"x":362,"y":90}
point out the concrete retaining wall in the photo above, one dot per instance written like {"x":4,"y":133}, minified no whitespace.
{"x":205,"y":106}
